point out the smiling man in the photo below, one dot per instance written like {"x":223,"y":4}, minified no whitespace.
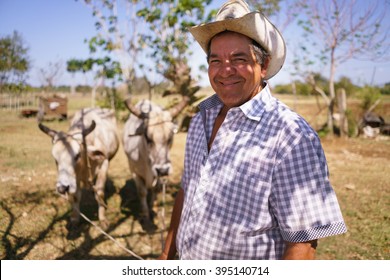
{"x":255,"y":182}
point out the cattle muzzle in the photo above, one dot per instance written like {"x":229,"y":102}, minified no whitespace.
{"x":62,"y":189}
{"x":162,"y":171}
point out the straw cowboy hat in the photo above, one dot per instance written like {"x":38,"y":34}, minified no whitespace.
{"x":236,"y":16}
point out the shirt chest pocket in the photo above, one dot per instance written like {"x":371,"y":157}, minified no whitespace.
{"x":247,"y":156}
{"x":242,"y":190}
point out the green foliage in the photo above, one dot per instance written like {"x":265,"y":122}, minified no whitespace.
{"x":283,"y":89}
{"x":15,"y":88}
{"x":352,"y":123}
{"x":107,"y":68}
{"x":111,"y":99}
{"x":83,"y":89}
{"x":322,"y":82}
{"x":323,"y":132}
{"x":168,"y":41}
{"x":14,"y":63}
{"x":368,"y":95}
{"x":74,"y":65}
{"x":346,"y":83}
{"x":385,"y":90}
{"x":301,"y":89}
{"x":96,"y":43}
{"x":156,"y":29}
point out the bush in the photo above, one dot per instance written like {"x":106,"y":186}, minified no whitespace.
{"x":282,"y":89}
{"x":369,"y":95}
{"x":302,"y":89}
{"x":386,"y":89}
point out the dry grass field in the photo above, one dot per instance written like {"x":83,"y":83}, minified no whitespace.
{"x":33,"y":217}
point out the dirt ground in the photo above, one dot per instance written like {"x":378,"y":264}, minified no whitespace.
{"x":33,"y":218}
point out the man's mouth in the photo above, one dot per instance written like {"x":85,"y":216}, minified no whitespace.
{"x":229,"y":83}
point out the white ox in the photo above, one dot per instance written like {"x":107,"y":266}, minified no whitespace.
{"x":83,"y":154}
{"x":147,"y":138}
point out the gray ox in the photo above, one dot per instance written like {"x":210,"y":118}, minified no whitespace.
{"x":82,"y":155}
{"x":147,"y":138}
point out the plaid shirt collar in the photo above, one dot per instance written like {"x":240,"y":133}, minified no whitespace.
{"x":252,"y":109}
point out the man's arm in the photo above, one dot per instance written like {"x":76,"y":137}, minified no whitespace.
{"x":300,"y":251}
{"x":169,"y":251}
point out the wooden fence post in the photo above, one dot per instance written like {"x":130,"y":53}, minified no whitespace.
{"x":342,"y":104}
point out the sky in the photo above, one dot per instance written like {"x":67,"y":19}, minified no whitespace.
{"x":55,"y":30}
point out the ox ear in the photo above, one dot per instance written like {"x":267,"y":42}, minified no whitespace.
{"x":175,"y":111}
{"x":47,"y":130}
{"x":89,"y":129}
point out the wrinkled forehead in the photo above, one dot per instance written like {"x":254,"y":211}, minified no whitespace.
{"x":229,"y":39}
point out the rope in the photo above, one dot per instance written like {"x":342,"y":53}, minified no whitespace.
{"x":105,"y":233}
{"x":162,"y":216}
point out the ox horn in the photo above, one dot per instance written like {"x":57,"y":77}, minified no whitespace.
{"x":133,"y":109}
{"x":89,"y":129}
{"x":179,"y":107}
{"x":47,"y":130}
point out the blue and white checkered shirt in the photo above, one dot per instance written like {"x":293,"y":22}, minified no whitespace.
{"x":264,"y":181}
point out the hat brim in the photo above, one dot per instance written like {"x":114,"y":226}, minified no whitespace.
{"x":253,"y":25}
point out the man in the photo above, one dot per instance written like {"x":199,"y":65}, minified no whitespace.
{"x":255,"y":182}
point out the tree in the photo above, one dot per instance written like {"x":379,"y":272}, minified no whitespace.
{"x":73,"y":66}
{"x":118,"y":29}
{"x":346,"y":83}
{"x":169,"y":40}
{"x":50,"y":74}
{"x":105,"y":69}
{"x":283,"y":12}
{"x":155,"y":38}
{"x":14,"y":61}
{"x":345,"y":29}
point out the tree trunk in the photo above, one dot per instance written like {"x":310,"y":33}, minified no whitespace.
{"x":73,"y":86}
{"x":332,"y":95}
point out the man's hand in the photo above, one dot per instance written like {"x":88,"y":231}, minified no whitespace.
{"x":163,"y":256}
{"x":300,"y":251}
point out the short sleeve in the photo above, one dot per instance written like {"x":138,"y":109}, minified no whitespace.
{"x":302,"y":199}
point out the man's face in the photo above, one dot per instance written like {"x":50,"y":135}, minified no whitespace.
{"x":233,"y":71}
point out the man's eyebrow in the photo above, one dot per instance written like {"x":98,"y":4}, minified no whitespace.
{"x":213,"y":55}
{"x":239,"y":54}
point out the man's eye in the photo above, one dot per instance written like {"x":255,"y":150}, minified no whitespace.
{"x":214,"y":61}
{"x":239,"y":60}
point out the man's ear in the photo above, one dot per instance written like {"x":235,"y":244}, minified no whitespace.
{"x":264,"y":69}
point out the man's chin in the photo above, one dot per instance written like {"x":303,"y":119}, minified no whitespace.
{"x":230,"y":101}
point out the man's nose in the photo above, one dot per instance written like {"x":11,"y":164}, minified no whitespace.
{"x":227,"y":69}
